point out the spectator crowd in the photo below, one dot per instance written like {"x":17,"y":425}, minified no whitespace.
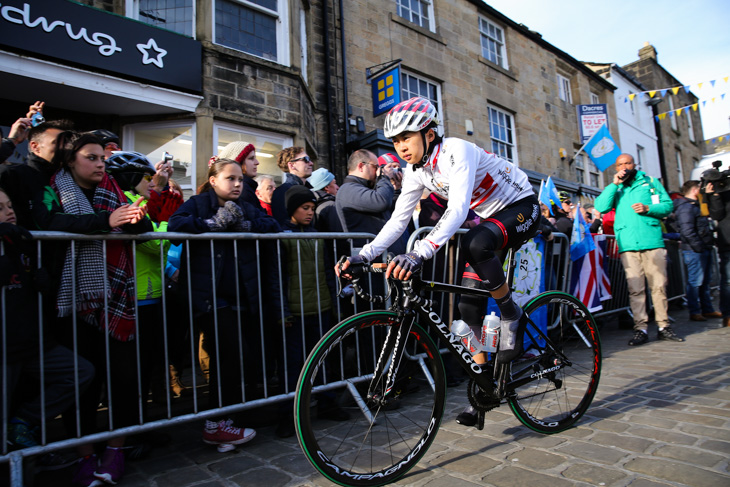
{"x":108,"y":334}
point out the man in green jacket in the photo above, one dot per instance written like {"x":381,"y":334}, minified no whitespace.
{"x":640,"y":202}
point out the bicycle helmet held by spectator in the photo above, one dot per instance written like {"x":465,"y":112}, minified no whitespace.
{"x":388,"y":158}
{"x":128,"y":168}
{"x":106,"y":136}
{"x":412,"y":115}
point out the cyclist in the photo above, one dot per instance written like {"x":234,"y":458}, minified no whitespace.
{"x":469,"y":178}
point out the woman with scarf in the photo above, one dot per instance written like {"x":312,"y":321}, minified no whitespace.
{"x":83,"y":198}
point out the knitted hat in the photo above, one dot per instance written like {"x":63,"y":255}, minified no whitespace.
{"x":296,"y":196}
{"x":387,"y":159}
{"x":238,"y":151}
{"x":320,"y":178}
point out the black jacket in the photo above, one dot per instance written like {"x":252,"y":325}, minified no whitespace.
{"x":278,"y":206}
{"x":249,"y":193}
{"x":190,"y":218}
{"x":694,"y":228}
{"x":25,"y":185}
{"x":326,"y":211}
{"x":362,"y":209}
{"x":719,"y":205}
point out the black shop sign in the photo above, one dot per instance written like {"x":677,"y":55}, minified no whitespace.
{"x":84,"y":36}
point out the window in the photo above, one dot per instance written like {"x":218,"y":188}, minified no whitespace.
{"x":420,"y":12}
{"x":564,"y":89}
{"x":303,"y":42}
{"x":257,"y":27}
{"x":680,"y":171}
{"x":594,"y":99}
{"x":493,"y":42}
{"x":672,"y":115}
{"x":154,"y":139}
{"x":411,"y":86}
{"x":501,"y":130}
{"x":594,"y":174}
{"x":690,"y":127}
{"x":175,"y":15}
{"x":639,"y":157}
{"x":579,"y":169}
{"x":267,"y":144}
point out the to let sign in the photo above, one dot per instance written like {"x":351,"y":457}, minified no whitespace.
{"x":590,"y":119}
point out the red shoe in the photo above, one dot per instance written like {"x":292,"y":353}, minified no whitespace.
{"x":223,"y":432}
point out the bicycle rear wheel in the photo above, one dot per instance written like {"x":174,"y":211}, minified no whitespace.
{"x":377,"y":443}
{"x":564,"y":373}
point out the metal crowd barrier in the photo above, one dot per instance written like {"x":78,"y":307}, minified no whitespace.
{"x":271,"y":383}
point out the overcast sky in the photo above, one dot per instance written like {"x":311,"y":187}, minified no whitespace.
{"x":692,"y":39}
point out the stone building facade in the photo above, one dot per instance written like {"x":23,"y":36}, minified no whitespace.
{"x":496,"y":83}
{"x":680,"y":136}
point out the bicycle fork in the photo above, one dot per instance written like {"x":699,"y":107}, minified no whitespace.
{"x":390,"y":357}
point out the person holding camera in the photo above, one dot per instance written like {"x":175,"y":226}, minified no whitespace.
{"x":365,"y":200}
{"x":719,"y":205}
{"x":697,"y":241}
{"x":640,"y":202}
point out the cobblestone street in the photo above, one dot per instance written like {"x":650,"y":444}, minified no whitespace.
{"x":661,"y":417}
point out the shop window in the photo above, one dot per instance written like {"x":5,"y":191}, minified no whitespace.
{"x":267,"y":144}
{"x":155,"y":139}
{"x":257,"y":27}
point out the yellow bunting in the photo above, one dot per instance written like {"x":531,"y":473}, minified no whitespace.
{"x":651,"y":94}
{"x":725,"y":78}
{"x":631,"y":96}
{"x":678,"y":112}
{"x":699,"y":85}
{"x":675,"y":90}
{"x":662,"y":116}
{"x":694,"y":107}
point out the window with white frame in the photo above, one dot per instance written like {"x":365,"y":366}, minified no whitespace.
{"x":493,"y":47}
{"x":594,"y":174}
{"x":411,"y":85}
{"x":680,"y":171}
{"x":267,"y":145}
{"x":175,"y":15}
{"x":690,"y":127}
{"x":502,"y":133}
{"x":176,"y":138}
{"x":420,"y":12}
{"x":639,"y":157}
{"x":580,"y":169}
{"x":594,"y":99}
{"x":564,"y":89}
{"x":672,"y":115}
{"x":257,"y":27}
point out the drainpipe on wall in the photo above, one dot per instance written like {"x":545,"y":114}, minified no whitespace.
{"x":328,"y":83}
{"x":346,"y":117}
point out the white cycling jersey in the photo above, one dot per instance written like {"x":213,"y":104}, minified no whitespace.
{"x":468,"y":177}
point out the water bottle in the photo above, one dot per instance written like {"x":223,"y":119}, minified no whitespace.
{"x":490,"y":332}
{"x":467,"y":337}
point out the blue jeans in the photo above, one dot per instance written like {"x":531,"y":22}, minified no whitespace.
{"x":725,"y":283}
{"x":699,"y":273}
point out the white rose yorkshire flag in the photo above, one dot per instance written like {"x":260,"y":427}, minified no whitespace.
{"x":602,"y":149}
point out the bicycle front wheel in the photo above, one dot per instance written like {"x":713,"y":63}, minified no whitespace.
{"x":346,"y":432}
{"x":562,"y":376}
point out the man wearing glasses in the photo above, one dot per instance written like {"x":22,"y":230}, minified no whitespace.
{"x":297,"y":167}
{"x":365,"y":199}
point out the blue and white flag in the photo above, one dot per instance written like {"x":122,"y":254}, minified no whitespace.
{"x":602,"y":149}
{"x":581,"y":241}
{"x":549,"y":194}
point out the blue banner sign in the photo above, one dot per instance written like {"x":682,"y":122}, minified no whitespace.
{"x":386,"y":91}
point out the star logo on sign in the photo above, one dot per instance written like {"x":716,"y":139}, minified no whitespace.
{"x":152,"y":46}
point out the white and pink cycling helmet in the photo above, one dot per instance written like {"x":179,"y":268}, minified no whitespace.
{"x":412,"y":115}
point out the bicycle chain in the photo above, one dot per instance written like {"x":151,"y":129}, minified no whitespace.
{"x":480,"y":399}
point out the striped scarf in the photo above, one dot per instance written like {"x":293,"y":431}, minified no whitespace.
{"x":88,"y":267}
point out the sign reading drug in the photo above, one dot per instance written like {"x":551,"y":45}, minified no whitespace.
{"x":590,"y":119}
{"x":386,"y":91}
{"x":85,"y":36}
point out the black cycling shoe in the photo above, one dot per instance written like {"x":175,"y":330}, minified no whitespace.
{"x":468,"y":417}
{"x":511,"y":341}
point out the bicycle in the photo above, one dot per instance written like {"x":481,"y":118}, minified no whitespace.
{"x":388,"y":375}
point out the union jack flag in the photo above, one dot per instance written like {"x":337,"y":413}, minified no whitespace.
{"x":589,"y":280}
